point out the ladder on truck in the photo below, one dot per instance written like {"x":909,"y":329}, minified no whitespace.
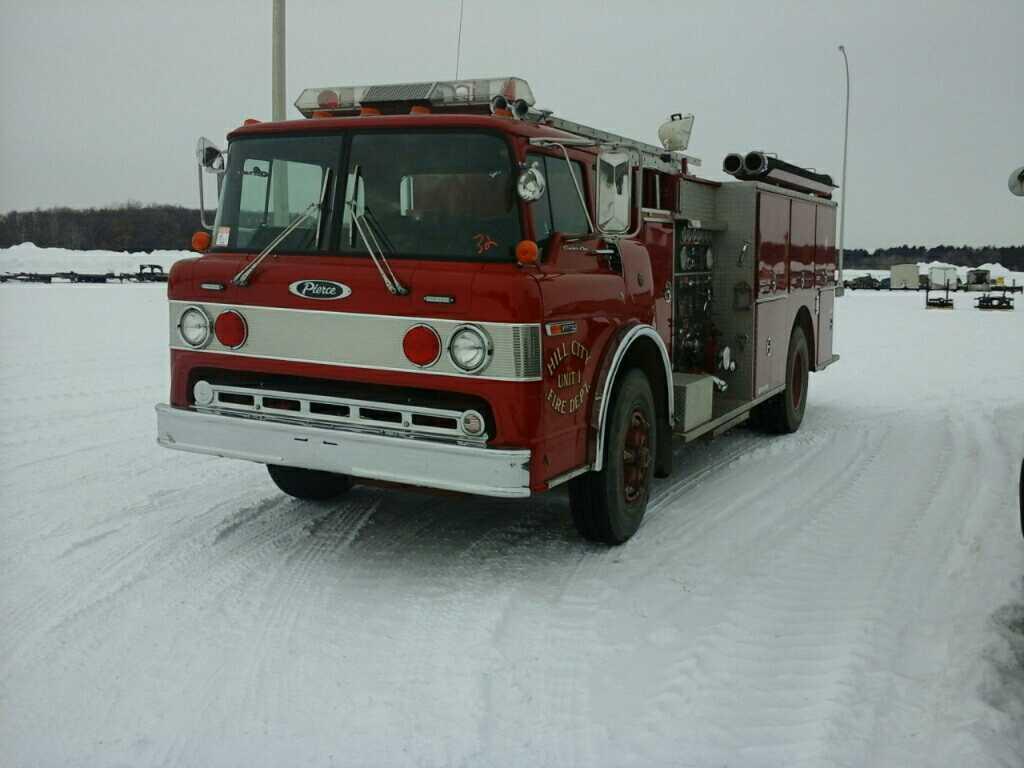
{"x":652,"y":156}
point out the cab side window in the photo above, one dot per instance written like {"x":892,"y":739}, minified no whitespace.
{"x":559,"y":210}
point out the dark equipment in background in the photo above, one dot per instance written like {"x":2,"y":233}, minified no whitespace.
{"x":148,"y":273}
{"x":998,"y":298}
{"x":938,"y":302}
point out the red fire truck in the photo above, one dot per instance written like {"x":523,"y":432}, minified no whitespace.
{"x":441,"y":285}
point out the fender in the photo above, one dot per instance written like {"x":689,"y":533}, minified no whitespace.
{"x":625,"y":337}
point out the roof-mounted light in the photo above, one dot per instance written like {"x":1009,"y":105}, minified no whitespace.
{"x":440,"y":94}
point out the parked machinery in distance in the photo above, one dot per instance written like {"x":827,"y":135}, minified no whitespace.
{"x":904,"y":277}
{"x":1000,"y":298}
{"x":941,"y":301}
{"x":866,"y":282}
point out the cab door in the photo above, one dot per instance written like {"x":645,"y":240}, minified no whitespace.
{"x":582,"y":288}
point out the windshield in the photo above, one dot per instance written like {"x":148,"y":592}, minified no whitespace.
{"x":269,"y":183}
{"x":426,"y":194}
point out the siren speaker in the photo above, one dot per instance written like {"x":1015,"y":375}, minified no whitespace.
{"x":1016,"y":182}
{"x":733,"y":163}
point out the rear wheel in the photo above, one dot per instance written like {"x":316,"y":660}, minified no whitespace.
{"x":309,"y":484}
{"x":608,"y":506}
{"x":785,"y":412}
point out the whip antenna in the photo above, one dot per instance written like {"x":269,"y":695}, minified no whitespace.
{"x":458,"y":46}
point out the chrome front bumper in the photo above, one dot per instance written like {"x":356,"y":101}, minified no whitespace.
{"x":431,"y":464}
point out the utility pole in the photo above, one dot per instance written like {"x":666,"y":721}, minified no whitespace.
{"x":279,"y":180}
{"x":277,"y":78}
{"x":842,"y":202}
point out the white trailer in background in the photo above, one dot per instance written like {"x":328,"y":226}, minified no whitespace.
{"x":904,"y":277}
{"x":978,"y":280}
{"x":939,"y":277}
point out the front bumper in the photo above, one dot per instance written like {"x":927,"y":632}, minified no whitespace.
{"x":431,"y":464}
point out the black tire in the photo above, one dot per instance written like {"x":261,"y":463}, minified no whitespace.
{"x":309,"y":484}
{"x":784,"y":413}
{"x":608,"y":506}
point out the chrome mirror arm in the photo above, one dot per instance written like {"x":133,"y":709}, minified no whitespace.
{"x":202,"y":203}
{"x":579,"y":190}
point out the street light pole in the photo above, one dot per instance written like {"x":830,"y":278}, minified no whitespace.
{"x":279,"y":181}
{"x":842,"y":203}
{"x":277,"y":57}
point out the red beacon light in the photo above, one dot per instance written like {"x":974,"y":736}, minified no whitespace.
{"x":441,"y":95}
{"x":231,"y":329}
{"x":421,"y":345}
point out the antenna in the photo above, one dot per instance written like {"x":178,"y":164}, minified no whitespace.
{"x":458,"y":46}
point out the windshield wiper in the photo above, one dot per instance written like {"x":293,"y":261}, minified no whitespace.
{"x":364,"y":226}
{"x":242,"y":278}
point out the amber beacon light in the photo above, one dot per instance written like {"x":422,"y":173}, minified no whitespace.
{"x":527,"y":252}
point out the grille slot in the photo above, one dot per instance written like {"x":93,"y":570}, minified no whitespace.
{"x":340,"y":413}
{"x":328,"y":409}
{"x":232,"y":398}
{"x":281,"y":404}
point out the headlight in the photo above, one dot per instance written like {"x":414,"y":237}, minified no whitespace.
{"x":194,"y":327}
{"x":472,"y":423}
{"x":530,"y":184}
{"x":469,"y":348}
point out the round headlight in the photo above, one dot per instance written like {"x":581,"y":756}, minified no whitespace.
{"x":472,"y":423}
{"x":194,"y":327}
{"x":469,"y":348}
{"x":531,"y":184}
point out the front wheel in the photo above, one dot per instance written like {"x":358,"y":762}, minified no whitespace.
{"x":309,"y":484}
{"x":608,"y":506}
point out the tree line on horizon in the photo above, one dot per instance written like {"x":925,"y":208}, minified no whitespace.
{"x":137,"y":227}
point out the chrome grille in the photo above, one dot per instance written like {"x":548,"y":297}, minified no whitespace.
{"x":341,"y":413}
{"x":526,"y":351}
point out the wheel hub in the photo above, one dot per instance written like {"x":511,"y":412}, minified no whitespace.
{"x":636,"y":456}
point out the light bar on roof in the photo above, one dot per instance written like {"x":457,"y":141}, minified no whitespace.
{"x":442,"y":93}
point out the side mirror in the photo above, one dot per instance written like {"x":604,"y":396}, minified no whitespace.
{"x":209,"y":156}
{"x":614,"y":191}
{"x":210,"y":159}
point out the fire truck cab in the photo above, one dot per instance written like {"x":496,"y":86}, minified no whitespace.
{"x":440,"y":285}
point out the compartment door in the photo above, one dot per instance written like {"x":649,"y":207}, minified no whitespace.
{"x":773,"y":326}
{"x":826,"y":307}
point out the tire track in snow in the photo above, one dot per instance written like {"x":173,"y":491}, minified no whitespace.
{"x":278,"y":609}
{"x":787,"y":643}
{"x":167,"y":553}
{"x":680,"y":688}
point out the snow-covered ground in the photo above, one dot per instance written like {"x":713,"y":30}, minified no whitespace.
{"x":850,"y":595}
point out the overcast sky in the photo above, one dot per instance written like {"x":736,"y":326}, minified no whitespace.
{"x":102,"y":101}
